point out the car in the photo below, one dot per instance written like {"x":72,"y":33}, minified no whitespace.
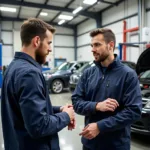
{"x":142,"y":126}
{"x":145,"y":80}
{"x":130,"y":64}
{"x":58,"y":78}
{"x":74,"y":78}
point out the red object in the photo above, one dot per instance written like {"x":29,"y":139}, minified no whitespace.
{"x":147,"y":45}
{"x":146,"y":86}
{"x":125,"y":30}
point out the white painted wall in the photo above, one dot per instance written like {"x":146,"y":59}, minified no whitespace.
{"x":12,"y":37}
{"x":86,"y":26}
{"x":117,"y":28}
{"x":63,"y":40}
{"x":67,"y":53}
{"x":7,"y":36}
{"x":84,"y":53}
{"x":83,"y":39}
{"x":127,"y":8}
{"x":7,"y":54}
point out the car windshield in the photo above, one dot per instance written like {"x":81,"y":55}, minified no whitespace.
{"x":65,"y":66}
{"x":87,"y":65}
{"x":145,"y":75}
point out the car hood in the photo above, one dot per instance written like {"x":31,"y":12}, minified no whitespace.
{"x":143,"y":62}
{"x":77,"y":73}
{"x":61,"y":72}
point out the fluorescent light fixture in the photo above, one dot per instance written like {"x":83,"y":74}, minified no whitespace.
{"x":61,"y":22}
{"x":8,"y":9}
{"x":89,"y":2}
{"x":77,"y":10}
{"x":43,"y":14}
{"x":65,"y":17}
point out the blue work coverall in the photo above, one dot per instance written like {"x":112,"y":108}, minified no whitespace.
{"x":29,"y":121}
{"x":118,"y":82}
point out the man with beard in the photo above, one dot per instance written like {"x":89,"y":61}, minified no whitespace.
{"x":108,"y":95}
{"x":29,"y":120}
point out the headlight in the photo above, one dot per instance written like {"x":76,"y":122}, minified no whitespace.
{"x":47,"y":75}
{"x":141,"y":85}
{"x":147,"y":106}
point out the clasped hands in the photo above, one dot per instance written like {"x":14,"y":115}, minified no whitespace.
{"x":70,"y":111}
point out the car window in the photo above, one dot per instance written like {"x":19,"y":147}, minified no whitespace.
{"x":85,"y":66}
{"x":65,"y":66}
{"x":79,"y":65}
{"x":145,"y":75}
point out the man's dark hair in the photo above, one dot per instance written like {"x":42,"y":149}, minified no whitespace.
{"x":107,"y":33}
{"x":34,"y":27}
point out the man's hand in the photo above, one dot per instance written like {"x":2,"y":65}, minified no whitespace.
{"x":67,"y":109}
{"x":62,"y":107}
{"x":107,"y":105}
{"x":90,"y":131}
{"x":72,"y":124}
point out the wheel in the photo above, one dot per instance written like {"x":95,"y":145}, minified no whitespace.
{"x":57,"y":86}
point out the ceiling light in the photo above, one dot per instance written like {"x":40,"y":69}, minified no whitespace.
{"x":8,"y":9}
{"x":65,"y":17}
{"x":43,"y":14}
{"x":61,"y":22}
{"x":89,"y":2}
{"x":77,"y":10}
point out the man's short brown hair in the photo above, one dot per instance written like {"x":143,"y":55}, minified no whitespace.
{"x":107,"y":33}
{"x":34,"y":27}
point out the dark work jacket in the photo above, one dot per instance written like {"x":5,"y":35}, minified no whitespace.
{"x":119,"y":82}
{"x":29,"y":121}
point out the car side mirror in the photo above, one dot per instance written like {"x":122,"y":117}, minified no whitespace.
{"x":73,"y":70}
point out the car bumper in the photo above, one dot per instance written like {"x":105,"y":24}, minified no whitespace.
{"x":142,"y":126}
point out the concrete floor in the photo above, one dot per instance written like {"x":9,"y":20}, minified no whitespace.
{"x":70,"y":140}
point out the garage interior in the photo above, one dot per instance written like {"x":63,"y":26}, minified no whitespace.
{"x":128,"y":19}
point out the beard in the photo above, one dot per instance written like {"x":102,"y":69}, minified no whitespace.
{"x":100,"y":58}
{"x":39,"y":55}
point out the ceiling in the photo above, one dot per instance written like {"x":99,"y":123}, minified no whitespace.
{"x":33,"y":8}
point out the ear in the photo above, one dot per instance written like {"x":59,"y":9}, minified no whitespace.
{"x":36,"y":41}
{"x":111,"y":45}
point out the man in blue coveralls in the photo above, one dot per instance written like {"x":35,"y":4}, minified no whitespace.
{"x":108,"y":95}
{"x":29,"y":120}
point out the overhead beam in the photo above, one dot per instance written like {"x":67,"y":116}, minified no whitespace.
{"x":46,"y":1}
{"x":60,"y":12}
{"x":116,"y":4}
{"x":84,"y":10}
{"x":19,"y":10}
{"x":43,"y":6}
{"x":82,"y":21}
{"x":22,"y":19}
{"x":107,"y":2}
